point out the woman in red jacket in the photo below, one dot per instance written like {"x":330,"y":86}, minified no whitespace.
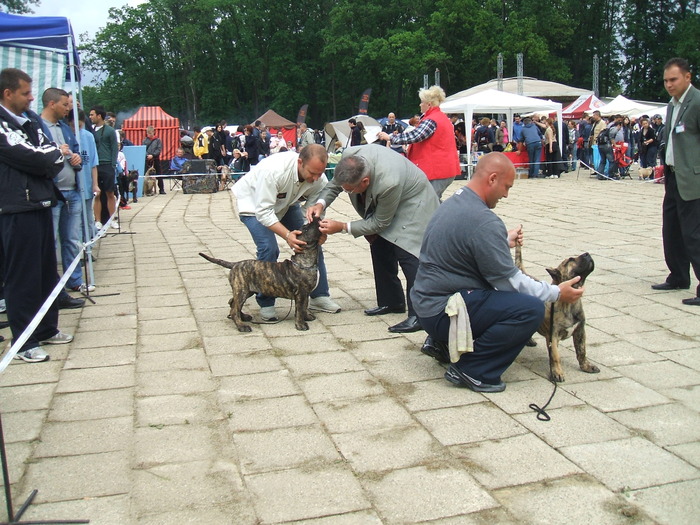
{"x":432,"y":141}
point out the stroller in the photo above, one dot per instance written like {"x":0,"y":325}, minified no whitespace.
{"x":621,"y":159}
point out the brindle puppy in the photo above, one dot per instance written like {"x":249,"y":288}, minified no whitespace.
{"x":568,"y":318}
{"x":292,"y":279}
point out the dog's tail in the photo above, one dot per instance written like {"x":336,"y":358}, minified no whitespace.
{"x":220,"y":262}
{"x":519,"y":255}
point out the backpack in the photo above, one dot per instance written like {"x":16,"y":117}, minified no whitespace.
{"x":604,"y":137}
{"x":318,"y":137}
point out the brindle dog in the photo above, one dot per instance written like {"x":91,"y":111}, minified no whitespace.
{"x":292,"y":279}
{"x":568,"y":318}
{"x":149,"y":183}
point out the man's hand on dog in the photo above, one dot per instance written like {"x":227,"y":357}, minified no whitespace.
{"x":295,"y":243}
{"x":329,"y":226}
{"x":314,"y":211}
{"x":567,"y":292}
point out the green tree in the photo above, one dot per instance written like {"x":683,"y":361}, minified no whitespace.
{"x":19,"y":7}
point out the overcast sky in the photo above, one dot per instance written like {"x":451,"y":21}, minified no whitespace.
{"x":84,"y":15}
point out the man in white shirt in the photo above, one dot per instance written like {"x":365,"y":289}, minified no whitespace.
{"x":268,"y":201}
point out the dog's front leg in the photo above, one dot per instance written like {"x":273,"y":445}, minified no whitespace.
{"x":555,"y":371}
{"x":579,"y":337}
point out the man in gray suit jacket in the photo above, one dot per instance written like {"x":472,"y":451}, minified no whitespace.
{"x":681,"y":207}
{"x":396,"y":202}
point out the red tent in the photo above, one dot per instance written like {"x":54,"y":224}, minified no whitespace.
{"x":167,"y":129}
{"x":581,"y":105}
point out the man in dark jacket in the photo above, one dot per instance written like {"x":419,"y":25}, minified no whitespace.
{"x":28,"y":164}
{"x":154,"y":147}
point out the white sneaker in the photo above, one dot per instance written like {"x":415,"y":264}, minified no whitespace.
{"x":3,"y":306}
{"x":98,"y":225}
{"x":268,"y":313}
{"x":59,"y":339}
{"x":33,"y":355}
{"x":115,"y":225}
{"x":324,"y":304}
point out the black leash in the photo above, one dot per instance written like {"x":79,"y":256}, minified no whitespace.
{"x":541,"y":413}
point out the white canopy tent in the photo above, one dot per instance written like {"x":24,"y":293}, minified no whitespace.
{"x":629,"y":108}
{"x":493,"y":101}
{"x":340,"y":130}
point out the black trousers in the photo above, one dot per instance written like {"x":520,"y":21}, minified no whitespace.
{"x":386,"y":258}
{"x":681,"y":234}
{"x":28,"y":252}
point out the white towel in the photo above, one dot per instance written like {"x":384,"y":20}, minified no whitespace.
{"x":460,"y":330}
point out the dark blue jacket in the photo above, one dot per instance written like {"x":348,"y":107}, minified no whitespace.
{"x":531,"y":133}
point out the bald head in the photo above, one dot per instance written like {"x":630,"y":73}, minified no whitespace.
{"x":493,"y":177}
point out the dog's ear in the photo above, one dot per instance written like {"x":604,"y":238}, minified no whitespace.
{"x":556,"y":274}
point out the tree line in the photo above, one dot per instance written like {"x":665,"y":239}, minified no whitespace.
{"x":204,"y":60}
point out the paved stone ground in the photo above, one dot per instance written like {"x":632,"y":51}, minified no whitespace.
{"x":160,"y":412}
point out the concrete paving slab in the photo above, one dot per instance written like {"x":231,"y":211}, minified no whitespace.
{"x":629,"y":464}
{"x":92,"y":405}
{"x":426,"y":493}
{"x":670,"y":424}
{"x":268,"y":414}
{"x":297,"y":494}
{"x":285,"y":448}
{"x":73,"y":438}
{"x":103,"y":510}
{"x":675,"y":503}
{"x":615,"y":394}
{"x":577,"y":499}
{"x":174,"y":382}
{"x":368,"y":413}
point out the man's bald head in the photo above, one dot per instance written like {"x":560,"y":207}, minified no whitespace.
{"x":493,"y":177}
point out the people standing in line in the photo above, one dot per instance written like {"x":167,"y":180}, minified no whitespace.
{"x":681,"y":206}
{"x":659,"y":127}
{"x":306,"y":136}
{"x":252,"y":145}
{"x":355,"y":135}
{"x":431,"y":144}
{"x":27,"y":243}
{"x":89,"y":187}
{"x":107,"y":151}
{"x":552,"y":157}
{"x":154,"y":147}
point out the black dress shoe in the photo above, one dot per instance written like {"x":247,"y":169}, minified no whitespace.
{"x":4,"y":324}
{"x":411,"y":324}
{"x":668,"y":286}
{"x":68,"y":303}
{"x":381,"y":310}
{"x":693,"y":301}
{"x":436,"y":349}
{"x":459,"y":378}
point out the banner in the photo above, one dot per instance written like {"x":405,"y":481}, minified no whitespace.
{"x":47,"y":69}
{"x":364,"y":102}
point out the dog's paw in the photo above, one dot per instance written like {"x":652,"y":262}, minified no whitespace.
{"x":246,"y":317}
{"x":589,"y":368}
{"x":531,"y":342}
{"x":244,"y":328}
{"x":308,"y":316}
{"x":301,"y":326}
{"x":557,"y":377}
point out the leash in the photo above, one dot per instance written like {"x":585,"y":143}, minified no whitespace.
{"x":541,"y":412}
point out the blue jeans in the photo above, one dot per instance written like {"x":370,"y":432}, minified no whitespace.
{"x":67,"y":229}
{"x":267,"y":249}
{"x":501,"y":324}
{"x":534,"y":150}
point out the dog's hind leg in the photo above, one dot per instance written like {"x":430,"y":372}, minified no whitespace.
{"x":301,"y":312}
{"x":236,"y":314}
{"x":579,"y":337}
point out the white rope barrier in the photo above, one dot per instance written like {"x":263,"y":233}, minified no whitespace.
{"x":7,"y":358}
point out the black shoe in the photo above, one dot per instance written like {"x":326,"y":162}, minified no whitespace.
{"x":411,"y":324}
{"x":436,"y":349}
{"x":668,"y":286}
{"x":68,"y":303}
{"x":162,"y":192}
{"x":381,"y":310}
{"x":461,"y":379}
{"x":4,"y":324}
{"x":135,"y":201}
{"x":693,"y":301}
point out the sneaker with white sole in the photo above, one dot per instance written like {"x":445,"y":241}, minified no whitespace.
{"x":324,"y":304}
{"x":115,"y":225}
{"x":98,"y":225}
{"x":32,"y":355}
{"x":3,"y":306}
{"x":83,"y":288}
{"x":59,"y":339}
{"x":268,"y":313}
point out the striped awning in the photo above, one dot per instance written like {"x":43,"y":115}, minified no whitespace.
{"x":167,"y":128}
{"x":47,"y":69}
